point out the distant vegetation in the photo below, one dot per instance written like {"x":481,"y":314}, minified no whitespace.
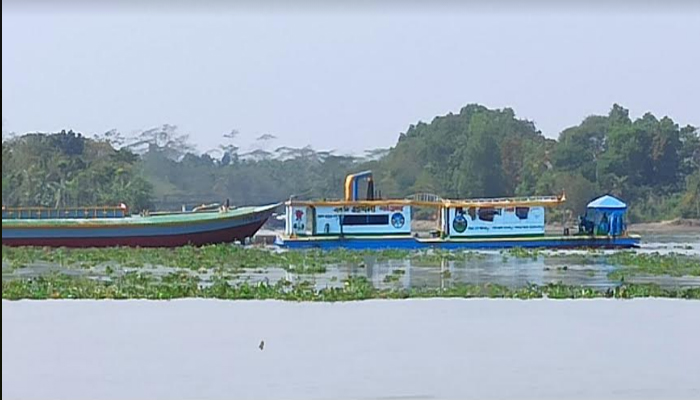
{"x":66,"y":169}
{"x":651,"y":163}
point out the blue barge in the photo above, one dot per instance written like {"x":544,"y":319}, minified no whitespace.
{"x":493,"y":223}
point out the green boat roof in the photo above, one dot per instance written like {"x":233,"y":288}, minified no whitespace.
{"x":156,"y":219}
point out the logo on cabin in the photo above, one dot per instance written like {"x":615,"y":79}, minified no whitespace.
{"x":397,"y":220}
{"x":459,"y":223}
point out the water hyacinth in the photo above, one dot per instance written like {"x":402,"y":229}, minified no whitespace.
{"x":138,"y":285}
{"x":223,"y":271}
{"x":222,"y":255}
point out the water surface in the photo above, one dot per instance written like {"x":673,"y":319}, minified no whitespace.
{"x":428,"y":348}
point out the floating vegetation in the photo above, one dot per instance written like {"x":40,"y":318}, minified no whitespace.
{"x":181,"y":285}
{"x":391,"y":278}
{"x":224,"y":255}
{"x":519,"y":252}
{"x":578,"y":258}
{"x":311,"y":268}
{"x":672,"y":264}
{"x":683,"y":247}
{"x":394,"y":276}
{"x":229,"y":271}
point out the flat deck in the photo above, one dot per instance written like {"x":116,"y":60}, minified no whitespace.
{"x":410,"y":242}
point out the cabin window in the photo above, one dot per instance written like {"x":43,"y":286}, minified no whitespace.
{"x":486,"y":214}
{"x":371,"y":219}
{"x":522,"y":212}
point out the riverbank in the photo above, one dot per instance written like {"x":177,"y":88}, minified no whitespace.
{"x":678,"y":225}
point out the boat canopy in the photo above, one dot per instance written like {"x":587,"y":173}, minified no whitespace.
{"x":607,"y":202}
{"x":352,"y":198}
{"x":605,"y":216}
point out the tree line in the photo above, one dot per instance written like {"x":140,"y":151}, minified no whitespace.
{"x":652,"y":163}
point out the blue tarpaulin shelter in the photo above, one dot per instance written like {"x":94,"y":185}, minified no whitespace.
{"x":607,"y":201}
{"x":608,"y":215}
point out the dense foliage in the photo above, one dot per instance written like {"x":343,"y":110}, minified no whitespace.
{"x":66,"y":170}
{"x":651,"y":163}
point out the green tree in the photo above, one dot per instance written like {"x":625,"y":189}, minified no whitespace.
{"x":66,"y":169}
{"x":690,"y":202}
{"x":651,"y":163}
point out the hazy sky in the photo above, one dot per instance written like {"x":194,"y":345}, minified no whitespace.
{"x":339,"y":80}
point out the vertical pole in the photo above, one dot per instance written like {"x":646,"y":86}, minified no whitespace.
{"x":340,"y":220}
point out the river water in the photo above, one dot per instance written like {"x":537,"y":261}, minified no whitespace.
{"x":567,"y":267}
{"x":401,"y":349}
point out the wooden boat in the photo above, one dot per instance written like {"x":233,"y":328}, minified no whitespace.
{"x":114,"y":226}
{"x":493,"y":223}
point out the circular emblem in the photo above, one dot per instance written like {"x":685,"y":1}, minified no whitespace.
{"x":459,"y":223}
{"x":397,"y":220}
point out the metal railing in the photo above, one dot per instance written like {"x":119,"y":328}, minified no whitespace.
{"x":508,"y":201}
{"x":64,"y":213}
{"x":425,"y":198}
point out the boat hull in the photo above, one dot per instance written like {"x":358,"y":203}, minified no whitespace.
{"x":410,"y":243}
{"x":223,"y":230}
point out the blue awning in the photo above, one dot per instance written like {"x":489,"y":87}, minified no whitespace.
{"x":607,"y":202}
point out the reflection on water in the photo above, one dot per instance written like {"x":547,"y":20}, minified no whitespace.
{"x":567,"y":267}
{"x":491,"y":269}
